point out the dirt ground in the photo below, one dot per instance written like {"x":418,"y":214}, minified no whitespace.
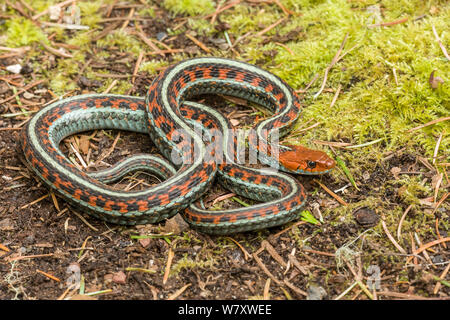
{"x":45,"y":244}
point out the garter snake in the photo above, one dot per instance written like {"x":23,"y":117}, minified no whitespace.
{"x":164,"y":113}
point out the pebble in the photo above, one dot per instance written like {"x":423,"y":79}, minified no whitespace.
{"x":160,"y":36}
{"x":366,"y":217}
{"x":14,"y":68}
{"x":316,"y":293}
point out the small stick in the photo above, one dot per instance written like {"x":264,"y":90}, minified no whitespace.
{"x":150,"y":43}
{"x":112,"y":85}
{"x":387,"y":24}
{"x":295,"y":289}
{"x":31,"y":257}
{"x":436,"y":225}
{"x":319,"y":252}
{"x":246,"y":254}
{"x":428,"y":245}
{"x":399,"y":229}
{"x":336,"y":96}
{"x":168,"y":265}
{"x":178,"y":292}
{"x":126,"y":22}
{"x":35,"y":201}
{"x":55,"y":201}
{"x":285,"y":47}
{"x":346,"y":291}
{"x":332,"y":143}
{"x":224,"y":197}
{"x":259,"y":34}
{"x":436,"y":148}
{"x":440,"y":202}
{"x":399,"y":248}
{"x":395,"y":76}
{"x":165,"y":51}
{"x":84,"y":220}
{"x":28,"y":87}
{"x":335,"y":59}
{"x":413,"y":247}
{"x":308,"y":85}
{"x":136,"y":67}
{"x":198,"y":43}
{"x":443,"y":275}
{"x":266,"y":295}
{"x":48,"y":275}
{"x":331,"y":193}
{"x":444,"y":51}
{"x":228,"y":6}
{"x":4,"y":248}
{"x":429,"y":124}
{"x":266,"y":271}
{"x":62,"y":4}
{"x":425,"y":253}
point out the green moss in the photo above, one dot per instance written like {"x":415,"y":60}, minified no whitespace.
{"x":90,"y":14}
{"x":122,"y":40}
{"x":188,"y":263}
{"x":189,"y":7}
{"x":22,"y":32}
{"x":152,"y":66}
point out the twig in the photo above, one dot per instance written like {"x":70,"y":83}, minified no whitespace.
{"x":48,"y":275}
{"x":61,"y":5}
{"x":399,"y":248}
{"x":443,"y":275}
{"x":387,"y":24}
{"x":198,"y":43}
{"x":428,"y":245}
{"x":331,"y":193}
{"x":178,"y":292}
{"x":336,"y":58}
{"x":444,"y":51}
{"x":84,"y":220}
{"x":246,"y":254}
{"x":259,"y":34}
{"x":228,"y":6}
{"x":436,"y":148}
{"x":266,"y":271}
{"x":35,"y":201}
{"x":136,"y":67}
{"x":399,"y":229}
{"x":30,"y":257}
{"x":335,"y":96}
{"x":266,"y":295}
{"x":127,"y":21}
{"x":429,"y":124}
{"x":112,"y":85}
{"x":170,"y":256}
{"x":28,"y":87}
{"x":149,"y":42}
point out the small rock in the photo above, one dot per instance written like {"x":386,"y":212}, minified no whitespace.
{"x":366,"y":217}
{"x":160,"y":36}
{"x":395,"y":172}
{"x":14,"y":68}
{"x":6,"y":225}
{"x":176,"y":225}
{"x":119,"y":277}
{"x":316,"y":293}
{"x":144,"y":242}
{"x":28,"y":95}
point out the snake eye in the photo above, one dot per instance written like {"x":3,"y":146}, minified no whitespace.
{"x":311,"y":164}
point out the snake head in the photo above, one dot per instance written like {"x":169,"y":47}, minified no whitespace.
{"x":305,"y":161}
